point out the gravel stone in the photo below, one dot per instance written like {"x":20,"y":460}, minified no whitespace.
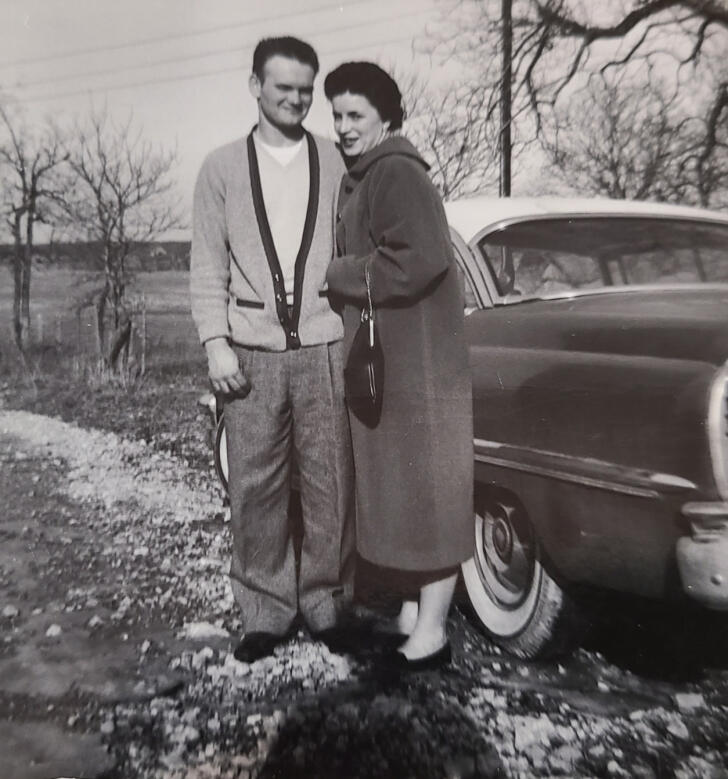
{"x":307,"y":711}
{"x":687,"y":701}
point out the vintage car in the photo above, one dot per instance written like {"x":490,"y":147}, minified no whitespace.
{"x":598,"y":335}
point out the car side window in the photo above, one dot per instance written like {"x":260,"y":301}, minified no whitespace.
{"x":549,"y":256}
{"x":679,"y":265}
{"x":545,"y":272}
{"x":535,"y":272}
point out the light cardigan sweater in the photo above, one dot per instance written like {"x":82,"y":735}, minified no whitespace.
{"x":236,"y":285}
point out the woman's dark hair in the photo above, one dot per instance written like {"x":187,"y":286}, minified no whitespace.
{"x":286,"y":46}
{"x":375,"y":84}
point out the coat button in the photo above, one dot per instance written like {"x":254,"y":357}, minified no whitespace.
{"x":338,"y":216}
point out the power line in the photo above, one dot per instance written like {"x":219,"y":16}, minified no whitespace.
{"x":191,"y":76}
{"x":178,"y":36}
{"x":190,"y":57}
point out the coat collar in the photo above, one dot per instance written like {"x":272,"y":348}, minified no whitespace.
{"x":392,"y":146}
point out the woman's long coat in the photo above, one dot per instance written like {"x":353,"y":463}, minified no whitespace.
{"x":414,"y":470}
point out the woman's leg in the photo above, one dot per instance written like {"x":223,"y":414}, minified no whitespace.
{"x":407,"y":617}
{"x":430,"y":630}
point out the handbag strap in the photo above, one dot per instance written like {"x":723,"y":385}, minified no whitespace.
{"x":370,"y":305}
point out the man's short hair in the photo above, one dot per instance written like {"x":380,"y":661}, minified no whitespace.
{"x":285,"y":46}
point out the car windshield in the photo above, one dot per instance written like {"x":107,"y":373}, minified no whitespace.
{"x":553,"y":257}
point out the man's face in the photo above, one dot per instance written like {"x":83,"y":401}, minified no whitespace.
{"x":285,"y":93}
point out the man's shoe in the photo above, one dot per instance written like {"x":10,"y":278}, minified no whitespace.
{"x":339,"y":639}
{"x":255,"y":645}
{"x":358,"y":636}
{"x":399,"y":662}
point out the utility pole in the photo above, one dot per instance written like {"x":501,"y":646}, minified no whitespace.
{"x":505,"y":101}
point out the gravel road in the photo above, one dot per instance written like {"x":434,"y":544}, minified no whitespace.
{"x":117,"y":626}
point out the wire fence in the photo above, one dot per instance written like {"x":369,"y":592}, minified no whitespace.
{"x":158,"y":335}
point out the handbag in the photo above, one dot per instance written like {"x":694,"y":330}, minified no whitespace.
{"x":364,"y":370}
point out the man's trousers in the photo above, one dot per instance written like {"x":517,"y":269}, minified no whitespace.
{"x":295,"y":412}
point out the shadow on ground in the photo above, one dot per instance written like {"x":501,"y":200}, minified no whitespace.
{"x":381,"y":732}
{"x":677,"y":643}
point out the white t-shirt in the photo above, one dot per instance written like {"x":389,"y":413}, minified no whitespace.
{"x":284,"y":180}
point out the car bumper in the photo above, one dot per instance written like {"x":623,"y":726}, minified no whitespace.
{"x":702,"y":557}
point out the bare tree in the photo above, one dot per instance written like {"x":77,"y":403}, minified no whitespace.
{"x":457,"y":135}
{"x":709,"y":159}
{"x":29,"y":164}
{"x":559,"y":45}
{"x":119,"y":195}
{"x":455,"y":130}
{"x":618,"y":142}
{"x":686,"y":32}
{"x":637,"y":142}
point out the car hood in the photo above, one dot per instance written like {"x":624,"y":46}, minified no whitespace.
{"x":689,"y":323}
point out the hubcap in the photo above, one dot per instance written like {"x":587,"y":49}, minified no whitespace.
{"x":505,"y":554}
{"x":502,"y":539}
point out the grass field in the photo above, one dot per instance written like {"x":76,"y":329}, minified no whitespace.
{"x":58,"y":377}
{"x":59,"y":318}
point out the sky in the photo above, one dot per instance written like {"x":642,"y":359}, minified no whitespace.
{"x":180,"y":67}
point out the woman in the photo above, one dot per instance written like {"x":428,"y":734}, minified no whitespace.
{"x":414,"y":467}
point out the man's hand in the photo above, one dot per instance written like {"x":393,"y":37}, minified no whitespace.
{"x":224,"y":368}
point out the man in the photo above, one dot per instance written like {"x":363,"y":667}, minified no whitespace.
{"x":262,"y":240}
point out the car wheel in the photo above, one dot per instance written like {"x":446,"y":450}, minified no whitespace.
{"x":518,"y":604}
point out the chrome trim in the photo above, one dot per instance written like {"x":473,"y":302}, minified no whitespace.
{"x":485,"y":444}
{"x":482,"y":287}
{"x":706,"y":510}
{"x":570,"y":294}
{"x":718,"y":430}
{"x":562,"y":467}
{"x":670,"y":480}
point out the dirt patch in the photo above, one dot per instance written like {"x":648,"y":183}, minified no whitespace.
{"x":39,"y":750}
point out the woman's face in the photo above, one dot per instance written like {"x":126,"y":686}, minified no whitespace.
{"x":357,"y":123}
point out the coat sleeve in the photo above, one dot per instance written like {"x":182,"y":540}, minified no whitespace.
{"x":209,"y":257}
{"x":408,"y":228}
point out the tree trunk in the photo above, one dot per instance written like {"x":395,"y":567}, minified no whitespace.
{"x":27,"y":267}
{"x":120,"y":346}
{"x":101,"y":324}
{"x":21,"y":315}
{"x":19,"y":330}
